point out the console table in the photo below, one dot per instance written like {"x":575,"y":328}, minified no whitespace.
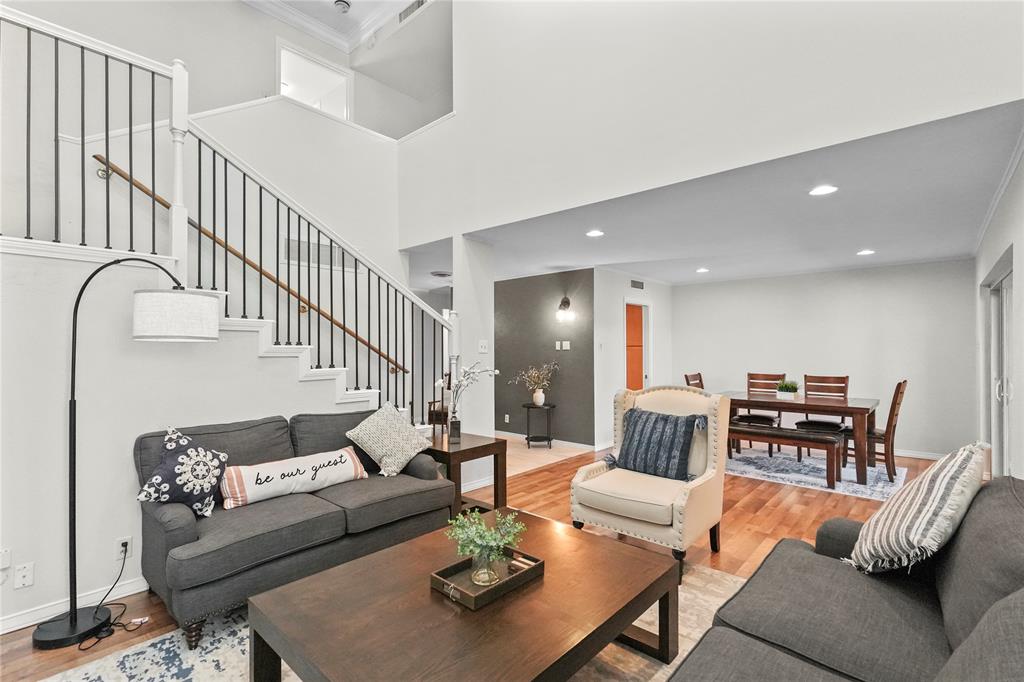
{"x":471,"y":447}
{"x":538,"y":438}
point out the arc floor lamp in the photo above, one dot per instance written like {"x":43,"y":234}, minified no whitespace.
{"x":159,"y":315}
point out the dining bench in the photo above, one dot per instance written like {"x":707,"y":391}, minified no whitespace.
{"x":831,"y":443}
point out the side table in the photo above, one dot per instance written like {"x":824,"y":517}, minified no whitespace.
{"x":538,"y":438}
{"x":471,"y":447}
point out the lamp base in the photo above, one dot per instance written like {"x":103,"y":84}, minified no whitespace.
{"x":55,"y":634}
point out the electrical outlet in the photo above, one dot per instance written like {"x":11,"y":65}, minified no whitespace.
{"x":482,"y":347}
{"x":120,"y":547}
{"x":24,"y":575}
{"x":5,"y":558}
{"x":558,"y":345}
{"x":565,"y":345}
{"x":506,"y":419}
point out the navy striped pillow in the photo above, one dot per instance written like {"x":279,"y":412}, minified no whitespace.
{"x":657,"y":444}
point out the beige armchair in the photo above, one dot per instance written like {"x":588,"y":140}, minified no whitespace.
{"x":660,"y":510}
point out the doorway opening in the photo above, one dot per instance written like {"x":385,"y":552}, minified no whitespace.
{"x":637,"y":346}
{"x":1001,"y":369}
{"x":306,"y":78}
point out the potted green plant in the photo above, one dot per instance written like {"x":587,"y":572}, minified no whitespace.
{"x":786,"y":390}
{"x":536,"y":379}
{"x":486,"y":544}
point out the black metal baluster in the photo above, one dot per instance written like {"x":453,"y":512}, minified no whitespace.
{"x":213,"y":219}
{"x":131,"y":168}
{"x":288,"y":278}
{"x":344,"y":318}
{"x":298,"y":277}
{"x":319,"y":300}
{"x":380,"y":383}
{"x":244,"y":230}
{"x":277,"y":277}
{"x":330,"y":263}
{"x":387,"y":337}
{"x":199,"y":214}
{"x":355,"y":298}
{"x":309,"y":286}
{"x":152,"y":165}
{"x":106,"y":138}
{"x":405,"y":356}
{"x":369,"y":328}
{"x":260,"y":278}
{"x":28,"y":135}
{"x":433,"y":353}
{"x":56,"y":141}
{"x":81,"y":132}
{"x":412,"y":365}
{"x":226,"y":243}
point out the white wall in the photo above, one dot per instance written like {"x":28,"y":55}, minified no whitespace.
{"x":231,"y":48}
{"x":691,"y":89}
{"x":1005,"y":234}
{"x":877,"y":325}
{"x":386,"y":110}
{"x":612,"y":291}
{"x":342,"y":174}
{"x":125,"y":388}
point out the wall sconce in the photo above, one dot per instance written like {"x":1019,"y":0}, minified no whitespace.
{"x":564,"y":314}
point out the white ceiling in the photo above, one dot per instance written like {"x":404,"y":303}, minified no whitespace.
{"x":321,"y":19}
{"x":427,"y":258}
{"x":917,"y":194}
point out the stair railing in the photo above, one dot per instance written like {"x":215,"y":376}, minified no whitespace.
{"x":78,"y":92}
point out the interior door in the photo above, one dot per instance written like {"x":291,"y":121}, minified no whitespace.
{"x":1001,"y":371}
{"x":634,"y":347}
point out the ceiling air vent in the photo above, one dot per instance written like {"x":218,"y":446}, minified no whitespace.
{"x":408,"y":11}
{"x":636,"y":284}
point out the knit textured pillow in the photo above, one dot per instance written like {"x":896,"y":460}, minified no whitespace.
{"x":389,"y":439}
{"x":921,"y":516}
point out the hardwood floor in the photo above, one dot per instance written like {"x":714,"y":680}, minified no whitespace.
{"x":757,"y":514}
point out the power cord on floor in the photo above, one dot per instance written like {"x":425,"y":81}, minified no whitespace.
{"x":115,"y":621}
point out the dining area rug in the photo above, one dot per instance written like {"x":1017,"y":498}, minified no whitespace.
{"x":810,"y":473}
{"x":223,"y":653}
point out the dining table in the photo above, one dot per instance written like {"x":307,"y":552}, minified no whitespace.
{"x":860,"y":410}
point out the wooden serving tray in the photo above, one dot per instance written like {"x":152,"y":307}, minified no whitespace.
{"x":454,"y":581}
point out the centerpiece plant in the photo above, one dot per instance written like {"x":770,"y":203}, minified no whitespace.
{"x":786,"y":390}
{"x":536,"y":379}
{"x":486,"y":544}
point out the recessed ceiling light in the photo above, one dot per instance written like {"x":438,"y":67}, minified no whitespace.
{"x":702,"y":270}
{"x":595,"y":233}
{"x":440,"y":274}
{"x":822,"y":190}
{"x":865,"y":252}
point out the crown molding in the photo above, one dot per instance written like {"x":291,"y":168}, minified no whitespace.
{"x":303,"y":22}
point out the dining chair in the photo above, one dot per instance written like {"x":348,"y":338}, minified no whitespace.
{"x":818,"y":386}
{"x":695,"y":380}
{"x":887,"y":436}
{"x":760,"y":384}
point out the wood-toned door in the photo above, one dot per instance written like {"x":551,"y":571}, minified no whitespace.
{"x":634,"y":347}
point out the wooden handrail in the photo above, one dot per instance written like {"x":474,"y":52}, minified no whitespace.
{"x":117,"y":170}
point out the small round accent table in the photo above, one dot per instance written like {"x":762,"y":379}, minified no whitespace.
{"x":538,"y":438}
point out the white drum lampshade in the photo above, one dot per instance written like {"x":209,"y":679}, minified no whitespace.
{"x":176,"y":315}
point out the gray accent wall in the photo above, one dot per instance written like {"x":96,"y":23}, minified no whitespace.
{"x":525,"y":332}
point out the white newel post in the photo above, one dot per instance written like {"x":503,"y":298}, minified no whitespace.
{"x":179,"y":128}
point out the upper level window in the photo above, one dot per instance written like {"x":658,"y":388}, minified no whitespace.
{"x":315,"y":82}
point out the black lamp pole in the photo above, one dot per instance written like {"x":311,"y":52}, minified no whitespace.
{"x":78,"y":625}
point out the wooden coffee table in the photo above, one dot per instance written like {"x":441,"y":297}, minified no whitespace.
{"x":376,"y":618}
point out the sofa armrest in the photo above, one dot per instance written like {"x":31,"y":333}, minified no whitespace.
{"x":836,"y":537}
{"x":422,"y":466}
{"x":176,"y":520}
{"x":590,"y":471}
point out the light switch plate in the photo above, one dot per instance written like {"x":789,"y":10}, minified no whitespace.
{"x":558,"y":345}
{"x":5,"y":558}
{"x":565,"y":345}
{"x":482,"y":346}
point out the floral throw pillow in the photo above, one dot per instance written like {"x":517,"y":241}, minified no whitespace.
{"x":188,"y":473}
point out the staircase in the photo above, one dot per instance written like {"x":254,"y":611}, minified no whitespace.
{"x":112,"y":161}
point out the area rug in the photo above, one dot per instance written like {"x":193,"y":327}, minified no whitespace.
{"x":810,"y":473}
{"x":223,"y":653}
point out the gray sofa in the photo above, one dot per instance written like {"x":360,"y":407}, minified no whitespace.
{"x":200,"y":567}
{"x":805,"y":616}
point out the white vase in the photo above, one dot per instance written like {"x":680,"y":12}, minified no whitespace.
{"x":538,"y":397}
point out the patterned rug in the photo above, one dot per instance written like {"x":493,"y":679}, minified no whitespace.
{"x":223,"y":653}
{"x":810,"y":473}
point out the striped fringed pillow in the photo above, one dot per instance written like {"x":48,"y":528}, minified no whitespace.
{"x":921,"y":516}
{"x":658,"y":444}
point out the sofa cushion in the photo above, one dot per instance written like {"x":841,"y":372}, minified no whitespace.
{"x":886,"y":627}
{"x":248,"y":442}
{"x":379,"y":500}
{"x":984,"y":561}
{"x":313,"y":433}
{"x":234,"y":540}
{"x":725,"y":655}
{"x":631,"y":494}
{"x":995,"y":649}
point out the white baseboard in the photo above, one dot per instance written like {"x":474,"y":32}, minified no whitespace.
{"x":478,"y":483}
{"x":509,"y":435}
{"x":920,"y":454}
{"x":38,"y":614}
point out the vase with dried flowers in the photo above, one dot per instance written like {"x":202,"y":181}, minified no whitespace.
{"x":536,"y":379}
{"x":467,"y":377}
